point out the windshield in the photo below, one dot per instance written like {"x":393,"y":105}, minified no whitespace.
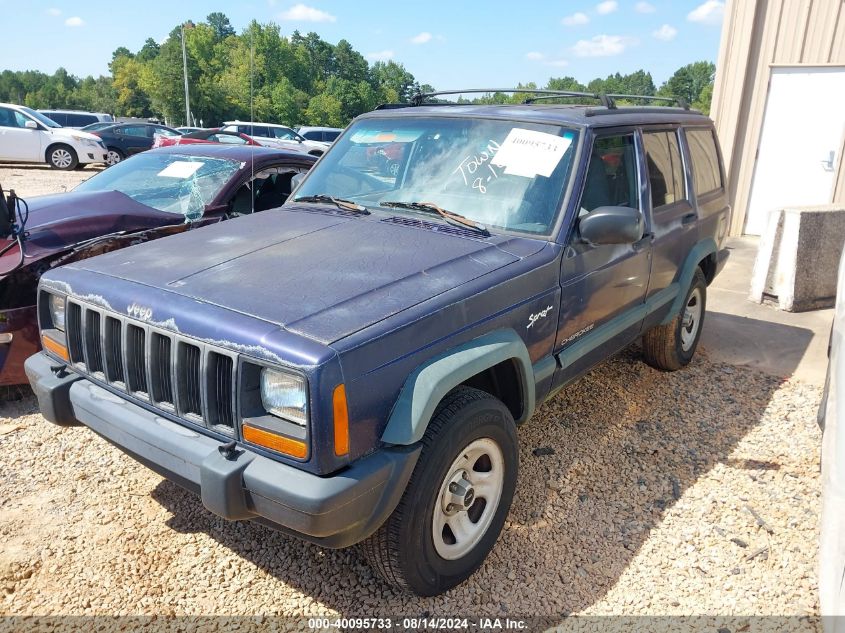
{"x":39,"y":117}
{"x":172,"y":183}
{"x":502,"y":174}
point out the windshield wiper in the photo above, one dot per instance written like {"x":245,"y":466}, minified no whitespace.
{"x":340,"y":203}
{"x":450,"y":216}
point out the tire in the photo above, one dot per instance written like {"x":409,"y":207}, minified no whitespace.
{"x":392,"y":168}
{"x":62,"y":157}
{"x":672,"y":346}
{"x":470,"y":439}
{"x":114,"y":156}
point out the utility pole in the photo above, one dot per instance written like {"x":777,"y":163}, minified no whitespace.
{"x":185,"y":73}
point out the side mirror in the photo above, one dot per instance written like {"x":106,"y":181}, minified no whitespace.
{"x":612,"y":225}
{"x":30,"y":125}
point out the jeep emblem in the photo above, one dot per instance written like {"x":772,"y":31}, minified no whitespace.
{"x":139,"y":312}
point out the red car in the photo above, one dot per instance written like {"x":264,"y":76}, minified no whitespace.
{"x":213,"y":135}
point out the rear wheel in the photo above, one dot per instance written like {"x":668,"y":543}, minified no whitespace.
{"x":62,"y":157}
{"x":672,"y":345}
{"x":457,"y":500}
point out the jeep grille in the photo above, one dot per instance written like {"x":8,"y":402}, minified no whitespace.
{"x":180,"y":376}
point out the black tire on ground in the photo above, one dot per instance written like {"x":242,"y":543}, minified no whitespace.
{"x":62,"y":157}
{"x":114,"y":156}
{"x":672,"y":346}
{"x":403,"y":549}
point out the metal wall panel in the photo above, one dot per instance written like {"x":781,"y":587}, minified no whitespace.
{"x":757,"y":34}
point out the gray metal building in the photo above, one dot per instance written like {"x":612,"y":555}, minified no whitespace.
{"x":779,"y":105}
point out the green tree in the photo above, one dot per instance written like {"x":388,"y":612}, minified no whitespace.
{"x":220,"y":24}
{"x":690,"y":81}
{"x":149,"y":51}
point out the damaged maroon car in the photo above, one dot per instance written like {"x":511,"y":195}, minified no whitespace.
{"x":151,"y":195}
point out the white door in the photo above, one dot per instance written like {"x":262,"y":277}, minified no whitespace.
{"x":16,"y":141}
{"x":802,"y":134}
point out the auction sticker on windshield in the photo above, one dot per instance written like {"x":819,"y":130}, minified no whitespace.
{"x":530,"y":153}
{"x":181,"y":169}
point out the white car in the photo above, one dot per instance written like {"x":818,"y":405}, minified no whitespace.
{"x":325,"y":134}
{"x":832,"y":537}
{"x":280,"y":136}
{"x":27,"y":136}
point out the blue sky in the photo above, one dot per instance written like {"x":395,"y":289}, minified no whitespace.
{"x":445,"y":43}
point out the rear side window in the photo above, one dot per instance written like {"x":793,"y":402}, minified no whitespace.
{"x":134,"y":130}
{"x":58,"y":117}
{"x":665,"y":168}
{"x":79,"y":120}
{"x":330,"y":136}
{"x":707,"y":176}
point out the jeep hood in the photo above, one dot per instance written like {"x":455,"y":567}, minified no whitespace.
{"x":321,"y":275}
{"x":58,"y":222}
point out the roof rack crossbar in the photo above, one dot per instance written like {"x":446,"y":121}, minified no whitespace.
{"x":680,"y":101}
{"x":605,"y":100}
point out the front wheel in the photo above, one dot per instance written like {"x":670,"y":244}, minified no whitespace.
{"x":457,"y":499}
{"x":114,"y":156}
{"x":62,"y":157}
{"x":672,"y":346}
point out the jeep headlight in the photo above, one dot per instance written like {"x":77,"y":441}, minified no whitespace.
{"x":284,"y":395}
{"x":56,"y":306}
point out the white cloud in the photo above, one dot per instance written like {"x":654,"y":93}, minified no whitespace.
{"x":422,"y":38}
{"x":575,"y":19}
{"x":536,"y":56}
{"x":54,"y":12}
{"x":304,"y":13}
{"x":75,"y":21}
{"x":667,"y":33}
{"x":609,"y":6}
{"x":380,"y":56}
{"x":602,"y":46}
{"x":711,"y":12}
{"x":644,"y":7}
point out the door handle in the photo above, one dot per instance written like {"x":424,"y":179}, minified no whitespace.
{"x":827,"y":163}
{"x":689,"y":218}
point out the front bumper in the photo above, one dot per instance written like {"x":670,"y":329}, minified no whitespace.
{"x":19,"y":325}
{"x":88,"y":154}
{"x":333,"y":511}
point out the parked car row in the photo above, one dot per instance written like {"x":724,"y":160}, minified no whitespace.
{"x":51,"y":140}
{"x":352,"y":366}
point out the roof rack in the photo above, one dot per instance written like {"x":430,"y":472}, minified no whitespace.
{"x":607,"y":100}
{"x":418,"y":98}
{"x":679,"y":101}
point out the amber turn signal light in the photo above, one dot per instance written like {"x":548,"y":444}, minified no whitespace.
{"x":274,"y":442}
{"x":54,"y":346}
{"x":341,"y":421}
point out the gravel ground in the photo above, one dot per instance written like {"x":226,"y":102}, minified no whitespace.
{"x":38,"y":180}
{"x":637,"y":495}
{"x":640,"y":492}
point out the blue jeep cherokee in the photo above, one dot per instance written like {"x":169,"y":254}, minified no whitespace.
{"x":352,"y":367}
